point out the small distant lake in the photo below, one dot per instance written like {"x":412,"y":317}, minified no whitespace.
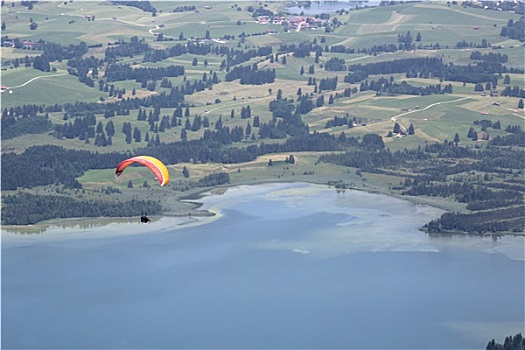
{"x":279,"y":266}
{"x":318,"y":7}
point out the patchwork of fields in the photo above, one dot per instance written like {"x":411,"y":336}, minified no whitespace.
{"x":434,"y":30}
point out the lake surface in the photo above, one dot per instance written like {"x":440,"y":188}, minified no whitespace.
{"x":319,"y":7}
{"x":279,"y":266}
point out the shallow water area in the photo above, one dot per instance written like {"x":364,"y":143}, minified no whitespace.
{"x":279,"y":266}
{"x":101,"y":226}
{"x":318,"y":7}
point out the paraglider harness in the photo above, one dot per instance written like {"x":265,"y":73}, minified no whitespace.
{"x":144,"y":218}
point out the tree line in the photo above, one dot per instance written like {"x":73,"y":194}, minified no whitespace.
{"x":27,"y":209}
{"x":514,"y":29}
{"x":118,"y":72}
{"x":489,"y":57}
{"x":13,"y":127}
{"x":432,"y":67}
{"x":143,"y":5}
{"x":121,"y":48}
{"x":495,"y":206}
{"x":383,"y":85}
{"x":46,"y":165}
{"x":251,"y":75}
{"x":516,"y":342}
{"x":499,"y":220}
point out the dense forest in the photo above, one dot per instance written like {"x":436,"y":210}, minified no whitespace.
{"x":515,"y":29}
{"x":25,"y":208}
{"x":516,"y":342}
{"x":484,"y":71}
{"x":251,"y":75}
{"x":489,"y":180}
{"x":143,"y":5}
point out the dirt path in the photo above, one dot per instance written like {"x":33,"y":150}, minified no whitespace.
{"x":516,"y":113}
{"x":389,"y":26}
{"x":243,"y":102}
{"x":394,"y":118}
{"x":55,"y":118}
{"x":366,"y":56}
{"x":35,"y":78}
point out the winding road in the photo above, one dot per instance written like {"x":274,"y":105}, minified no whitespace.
{"x":35,"y":78}
{"x":394,"y":118}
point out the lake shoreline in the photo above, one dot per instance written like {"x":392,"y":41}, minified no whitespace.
{"x":172,"y":211}
{"x":197,"y":212}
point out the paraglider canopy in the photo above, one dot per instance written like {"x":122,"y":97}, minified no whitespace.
{"x":156,"y":166}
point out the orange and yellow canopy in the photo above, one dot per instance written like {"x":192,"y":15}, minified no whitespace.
{"x":156,"y":166}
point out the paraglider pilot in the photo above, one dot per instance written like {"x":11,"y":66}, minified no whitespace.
{"x":144,"y":218}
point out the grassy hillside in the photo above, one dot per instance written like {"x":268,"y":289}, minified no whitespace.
{"x":436,"y":22}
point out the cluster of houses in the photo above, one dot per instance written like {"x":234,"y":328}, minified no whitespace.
{"x":293,"y":22}
{"x":25,"y":44}
{"x":488,"y":5}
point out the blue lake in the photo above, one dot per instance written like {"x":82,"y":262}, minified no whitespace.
{"x":279,"y":266}
{"x":319,"y":7}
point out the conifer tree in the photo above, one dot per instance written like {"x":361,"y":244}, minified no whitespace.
{"x":397,"y":128}
{"x":456,"y":139}
{"x":185,"y":172}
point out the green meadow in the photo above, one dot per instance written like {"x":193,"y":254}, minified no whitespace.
{"x":58,"y":89}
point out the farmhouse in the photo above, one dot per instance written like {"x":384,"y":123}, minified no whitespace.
{"x":8,"y":43}
{"x":296,"y":19}
{"x":28,"y":44}
{"x":278,"y":19}
{"x":263,"y":19}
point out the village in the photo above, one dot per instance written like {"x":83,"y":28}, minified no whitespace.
{"x":291,"y":23}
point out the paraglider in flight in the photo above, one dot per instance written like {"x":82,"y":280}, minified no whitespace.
{"x":144,"y":219}
{"x":156,"y":166}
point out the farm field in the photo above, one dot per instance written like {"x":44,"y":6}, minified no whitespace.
{"x":359,"y":29}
